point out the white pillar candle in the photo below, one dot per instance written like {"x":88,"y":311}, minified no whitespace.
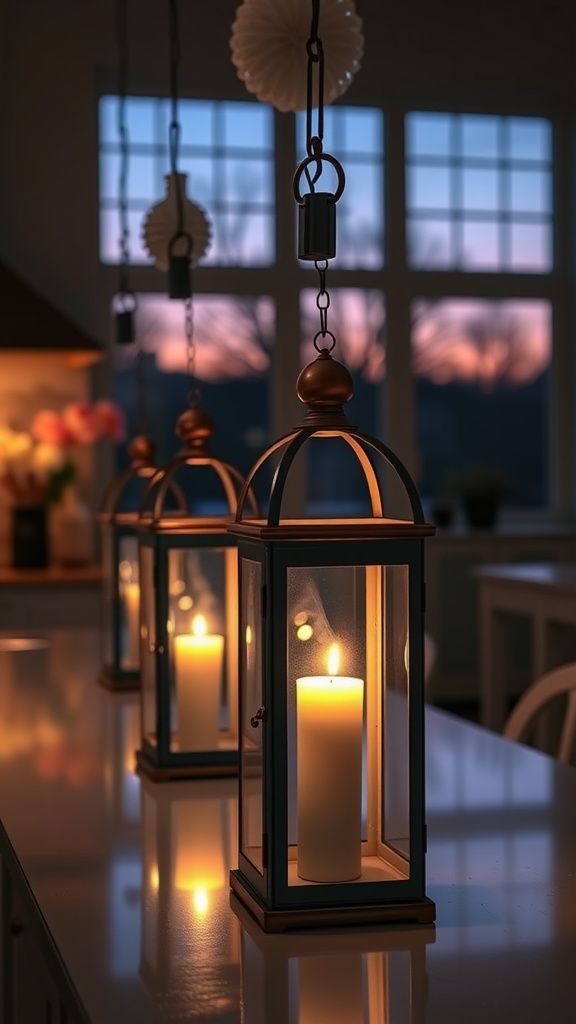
{"x":131,"y":598}
{"x":329,"y":775}
{"x":198,"y":660}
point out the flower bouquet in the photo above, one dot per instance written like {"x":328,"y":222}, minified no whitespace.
{"x":37,"y":465}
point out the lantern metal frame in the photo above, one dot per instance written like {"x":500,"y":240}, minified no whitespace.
{"x":269,"y":550}
{"x":119,"y":528}
{"x":160,"y":534}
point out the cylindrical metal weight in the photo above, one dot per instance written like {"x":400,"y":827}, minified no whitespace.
{"x":179,"y":277}
{"x":317,"y":227}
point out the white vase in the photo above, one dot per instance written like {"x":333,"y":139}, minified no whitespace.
{"x":161,"y":224}
{"x":71,"y":530}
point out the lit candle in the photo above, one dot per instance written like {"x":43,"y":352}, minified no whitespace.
{"x":329,"y":774}
{"x":131,"y":598}
{"x":198,"y":659}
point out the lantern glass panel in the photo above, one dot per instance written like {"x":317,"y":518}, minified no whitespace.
{"x":395,"y":735}
{"x":148,"y":643}
{"x":251,"y":786}
{"x":326,"y":680}
{"x":128,"y":585}
{"x":200,"y":711}
{"x":347,"y":634}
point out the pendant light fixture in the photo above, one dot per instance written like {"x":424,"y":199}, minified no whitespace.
{"x":176,"y":231}
{"x":119,"y":514}
{"x":189,"y":609}
{"x":331,"y":705}
{"x":268,"y":49}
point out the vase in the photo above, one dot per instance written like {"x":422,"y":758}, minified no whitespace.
{"x":72,"y":529}
{"x":29,"y":537}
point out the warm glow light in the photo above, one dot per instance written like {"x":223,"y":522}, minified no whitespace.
{"x":304,"y":632}
{"x":185,"y":603}
{"x":300,"y":618}
{"x":200,"y":901}
{"x":154,"y":878}
{"x":199,"y":627}
{"x":248,"y":636}
{"x":177,"y":587}
{"x":125,"y":570}
{"x":333,"y":659}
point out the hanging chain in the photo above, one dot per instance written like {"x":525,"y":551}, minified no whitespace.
{"x":124,"y":237}
{"x":315,"y":52}
{"x":174,"y":129}
{"x":193,"y":396}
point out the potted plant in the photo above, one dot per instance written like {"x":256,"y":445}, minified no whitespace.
{"x":481,"y":491}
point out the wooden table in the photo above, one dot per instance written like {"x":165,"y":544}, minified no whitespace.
{"x":546,"y":594}
{"x":92,"y":933}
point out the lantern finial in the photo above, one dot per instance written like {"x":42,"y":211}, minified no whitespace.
{"x":141,"y":451}
{"x":324,"y":386}
{"x":194,"y":427}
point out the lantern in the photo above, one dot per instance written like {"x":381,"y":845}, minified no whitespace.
{"x":190,"y":949}
{"x":189,"y":616}
{"x":350,"y":976}
{"x":331,"y":693}
{"x":121,"y":589}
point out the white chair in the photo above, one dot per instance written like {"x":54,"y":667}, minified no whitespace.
{"x":560,"y":682}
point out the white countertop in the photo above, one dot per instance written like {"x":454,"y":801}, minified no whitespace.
{"x":501,"y":868}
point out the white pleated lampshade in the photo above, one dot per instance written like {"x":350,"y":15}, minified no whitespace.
{"x":161,"y":223}
{"x":268,"y":45}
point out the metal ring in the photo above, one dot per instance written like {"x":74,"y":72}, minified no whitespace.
{"x":126,"y":302}
{"x":318,"y":159}
{"x":176,"y":238}
{"x":325,"y":335}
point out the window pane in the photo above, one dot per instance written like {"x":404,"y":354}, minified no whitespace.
{"x":480,"y":136}
{"x":530,"y":138}
{"x":233,"y":340}
{"x":480,"y":246}
{"x":479,"y":190}
{"x":482,"y":371}
{"x":428,"y":134}
{"x":489,"y":165}
{"x":530,"y":192}
{"x":530,"y":247}
{"x":429,"y":188}
{"x":430,"y":243}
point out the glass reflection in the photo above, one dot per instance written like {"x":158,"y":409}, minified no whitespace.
{"x":346,"y":977}
{"x":190,"y":952}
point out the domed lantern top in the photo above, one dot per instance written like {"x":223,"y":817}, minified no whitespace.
{"x":324,"y":386}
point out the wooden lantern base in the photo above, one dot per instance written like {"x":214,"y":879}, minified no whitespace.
{"x":170,"y":773}
{"x":126,"y":683}
{"x":414,"y":911}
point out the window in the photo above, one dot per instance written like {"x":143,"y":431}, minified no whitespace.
{"x":443,"y":308}
{"x":479,"y":192}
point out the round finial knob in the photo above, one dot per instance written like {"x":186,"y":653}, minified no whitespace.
{"x":142,"y":450}
{"x":325,"y":382}
{"x":195,"y":426}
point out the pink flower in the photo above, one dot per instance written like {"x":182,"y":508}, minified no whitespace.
{"x":110,"y":419}
{"x":48,"y":427}
{"x":82,"y":423}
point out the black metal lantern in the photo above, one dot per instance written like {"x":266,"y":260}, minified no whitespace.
{"x":121,"y":587}
{"x":189,"y":616}
{"x":190,"y":948}
{"x":351,"y":976}
{"x":331,"y":693}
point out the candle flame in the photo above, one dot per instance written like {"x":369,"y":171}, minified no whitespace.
{"x":199,"y":627}
{"x":154,"y":878}
{"x":333,"y":659}
{"x":248,"y":636}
